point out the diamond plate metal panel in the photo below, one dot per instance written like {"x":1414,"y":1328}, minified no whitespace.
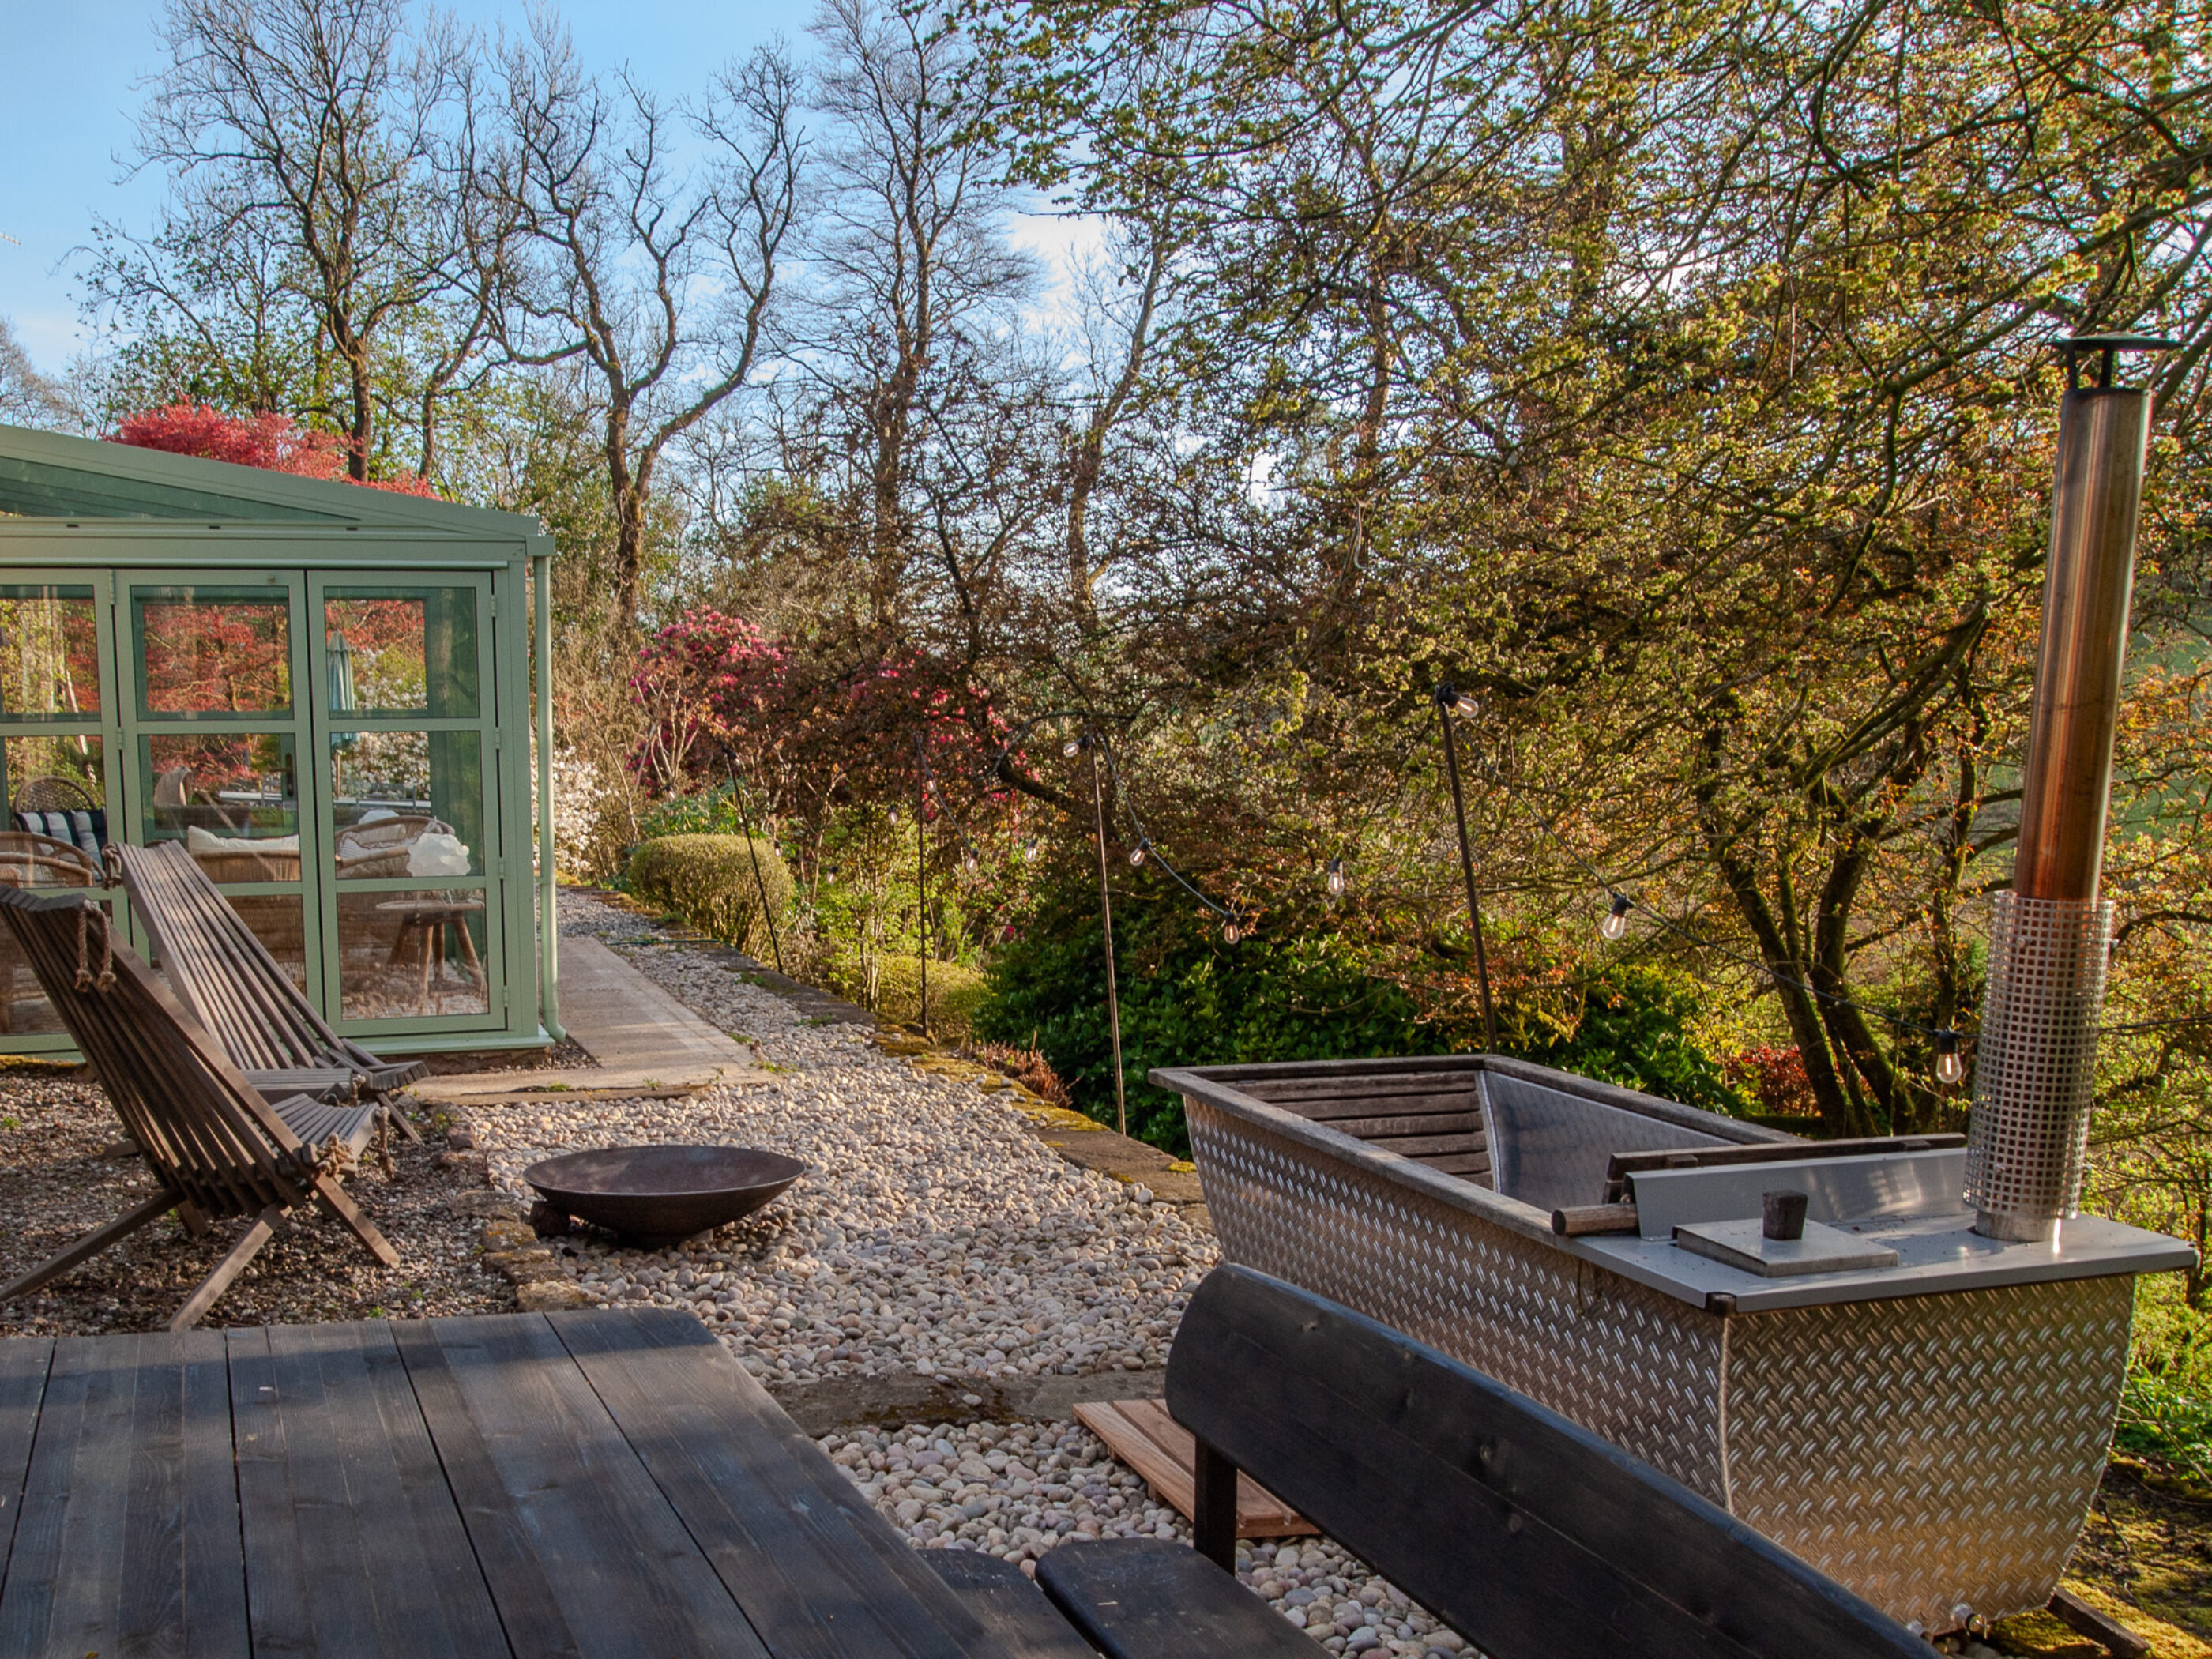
{"x":1929,"y":1451}
{"x":1926,"y":1451}
{"x":1626,"y":1362}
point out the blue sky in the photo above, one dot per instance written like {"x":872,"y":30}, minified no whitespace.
{"x":72,"y":92}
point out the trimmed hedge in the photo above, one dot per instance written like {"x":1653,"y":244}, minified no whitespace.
{"x":955,"y":990}
{"x":709,"y":881}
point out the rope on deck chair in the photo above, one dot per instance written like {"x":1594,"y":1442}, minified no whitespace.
{"x":85,"y":980}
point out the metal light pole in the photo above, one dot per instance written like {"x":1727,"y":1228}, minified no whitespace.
{"x":1106,"y":921}
{"x":1447,"y":700}
{"x":760,"y":881}
{"x":921,"y":871}
{"x":2051,"y":936}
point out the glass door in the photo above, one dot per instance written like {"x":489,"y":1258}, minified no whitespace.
{"x":214,"y":732}
{"x":404,"y":737}
{"x":57,"y":734}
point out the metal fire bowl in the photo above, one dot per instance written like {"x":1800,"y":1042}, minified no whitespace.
{"x":654,"y":1196}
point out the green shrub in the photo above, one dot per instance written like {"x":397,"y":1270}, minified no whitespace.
{"x":710,"y":881}
{"x":707,"y":812}
{"x":955,"y":990}
{"x":1188,"y":999}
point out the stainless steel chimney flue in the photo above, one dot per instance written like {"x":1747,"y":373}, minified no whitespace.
{"x":2036,"y":1070}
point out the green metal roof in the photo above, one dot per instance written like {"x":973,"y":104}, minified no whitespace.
{"x":47,"y":480}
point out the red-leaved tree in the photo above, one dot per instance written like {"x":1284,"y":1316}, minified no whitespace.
{"x":275,"y":442}
{"x":714,"y":687}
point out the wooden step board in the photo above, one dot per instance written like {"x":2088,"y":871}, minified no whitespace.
{"x":1142,"y":1435}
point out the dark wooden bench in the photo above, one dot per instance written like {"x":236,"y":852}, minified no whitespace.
{"x":1529,"y":1535}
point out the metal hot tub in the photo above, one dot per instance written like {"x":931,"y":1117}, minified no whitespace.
{"x":1929,"y":1431}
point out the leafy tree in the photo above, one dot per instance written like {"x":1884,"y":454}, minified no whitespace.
{"x":310,"y":256}
{"x":654,"y":285}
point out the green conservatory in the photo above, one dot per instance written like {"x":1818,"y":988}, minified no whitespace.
{"x":323,"y":690}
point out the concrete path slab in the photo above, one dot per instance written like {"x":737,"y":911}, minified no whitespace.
{"x":645,"y":1041}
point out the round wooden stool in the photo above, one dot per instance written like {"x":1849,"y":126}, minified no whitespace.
{"x":427,"y":920}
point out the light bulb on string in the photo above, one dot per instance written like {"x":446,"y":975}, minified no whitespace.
{"x":1137,"y":853}
{"x":1029,"y":850}
{"x":1949,"y":1067}
{"x":894,"y":815}
{"x":1337,"y":878}
{"x":1615,"y":924}
{"x":1230,"y":932}
{"x":968,"y":862}
{"x":1454,"y":701}
{"x":1071,"y":748}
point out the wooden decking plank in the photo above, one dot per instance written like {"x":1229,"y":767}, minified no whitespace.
{"x":1136,"y":1598}
{"x":582,"y":1552}
{"x":1452,"y":1122}
{"x":353,"y":1543}
{"x":128,"y":1541}
{"x":1016,"y":1615}
{"x":1431,"y":1146}
{"x":1476,"y":1167}
{"x":1463,"y":1100}
{"x":214,"y":1565}
{"x":1287,"y":1091}
{"x":1142,"y":1435}
{"x":818,"y":1572}
{"x":24,"y":1361}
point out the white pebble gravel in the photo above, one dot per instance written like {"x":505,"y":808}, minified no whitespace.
{"x":933,"y":1234}
{"x":1015,"y":1490}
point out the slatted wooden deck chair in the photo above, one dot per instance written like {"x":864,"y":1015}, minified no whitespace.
{"x":227,"y":978}
{"x":219,"y":1147}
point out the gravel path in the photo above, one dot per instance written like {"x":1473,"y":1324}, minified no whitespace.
{"x":933,"y":1232}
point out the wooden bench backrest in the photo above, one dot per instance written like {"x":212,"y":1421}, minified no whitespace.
{"x":1432,"y":1117}
{"x":1529,"y":1534}
{"x":219,"y":971}
{"x":205,"y":1131}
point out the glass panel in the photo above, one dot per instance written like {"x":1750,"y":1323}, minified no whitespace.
{"x":23,"y":1006}
{"x":55,"y":785}
{"x":410,"y":953}
{"x":232,"y":797}
{"x":407,"y":804}
{"x":49,"y":652}
{"x":274,"y":919}
{"x":402,"y":651}
{"x":212,"y":651}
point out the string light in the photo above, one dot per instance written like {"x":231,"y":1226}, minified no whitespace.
{"x":968,"y":862}
{"x":1230,"y":932}
{"x":1137,"y":853}
{"x":1029,"y":850}
{"x":1072,"y":747}
{"x":1615,"y":924}
{"x":1948,"y":1066}
{"x":1459,"y":702}
{"x":1151,"y":852}
{"x":1337,"y":879}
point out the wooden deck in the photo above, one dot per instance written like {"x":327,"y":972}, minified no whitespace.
{"x":605,"y":1482}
